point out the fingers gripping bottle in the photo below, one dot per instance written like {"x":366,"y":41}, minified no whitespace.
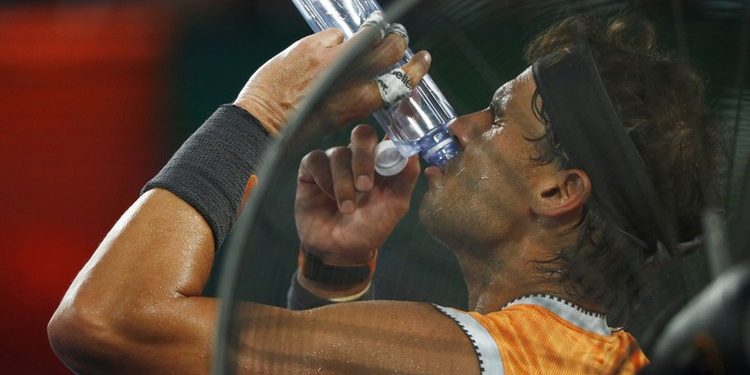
{"x":419,"y":123}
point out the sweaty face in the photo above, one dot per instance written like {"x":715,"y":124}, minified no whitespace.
{"x":482,"y":196}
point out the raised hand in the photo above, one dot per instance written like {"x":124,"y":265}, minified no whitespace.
{"x":343,"y":210}
{"x":276,"y":89}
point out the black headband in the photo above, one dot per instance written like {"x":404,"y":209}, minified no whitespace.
{"x":587,"y":126}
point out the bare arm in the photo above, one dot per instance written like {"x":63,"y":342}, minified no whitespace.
{"x":136,"y":307}
{"x":140,"y":294}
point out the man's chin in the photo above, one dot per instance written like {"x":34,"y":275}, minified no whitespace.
{"x":432,"y":216}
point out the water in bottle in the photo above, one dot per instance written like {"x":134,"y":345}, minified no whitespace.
{"x":419,"y":123}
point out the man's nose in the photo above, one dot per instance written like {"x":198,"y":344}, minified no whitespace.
{"x":472,"y":125}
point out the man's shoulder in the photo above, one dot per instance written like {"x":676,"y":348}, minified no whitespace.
{"x":551,"y":339}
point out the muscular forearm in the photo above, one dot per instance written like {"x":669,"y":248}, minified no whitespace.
{"x":153,"y":265}
{"x":134,"y":310}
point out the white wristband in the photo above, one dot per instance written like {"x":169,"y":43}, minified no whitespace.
{"x":353,"y":296}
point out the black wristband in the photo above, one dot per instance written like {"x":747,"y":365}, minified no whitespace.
{"x":315,"y":270}
{"x":212,"y":168}
{"x":299,"y":298}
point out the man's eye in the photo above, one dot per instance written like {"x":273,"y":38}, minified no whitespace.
{"x":497,"y":111}
{"x":497,"y":116}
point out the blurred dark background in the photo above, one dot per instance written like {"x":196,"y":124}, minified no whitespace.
{"x":96,"y":95}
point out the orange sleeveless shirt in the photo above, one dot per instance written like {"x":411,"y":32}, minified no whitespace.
{"x":542,"y":334}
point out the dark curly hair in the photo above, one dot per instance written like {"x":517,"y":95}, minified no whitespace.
{"x":660,"y":102}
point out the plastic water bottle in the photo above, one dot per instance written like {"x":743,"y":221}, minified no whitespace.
{"x":419,"y":123}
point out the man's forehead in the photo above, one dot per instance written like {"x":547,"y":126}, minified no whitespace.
{"x":504,"y":92}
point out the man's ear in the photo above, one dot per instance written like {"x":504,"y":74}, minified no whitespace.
{"x":562,"y":193}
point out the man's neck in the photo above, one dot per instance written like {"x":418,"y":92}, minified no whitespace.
{"x":496,"y":278}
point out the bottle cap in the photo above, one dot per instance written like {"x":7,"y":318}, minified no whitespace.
{"x":388,"y":160}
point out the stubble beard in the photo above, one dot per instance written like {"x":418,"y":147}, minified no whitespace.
{"x":439,"y":220}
